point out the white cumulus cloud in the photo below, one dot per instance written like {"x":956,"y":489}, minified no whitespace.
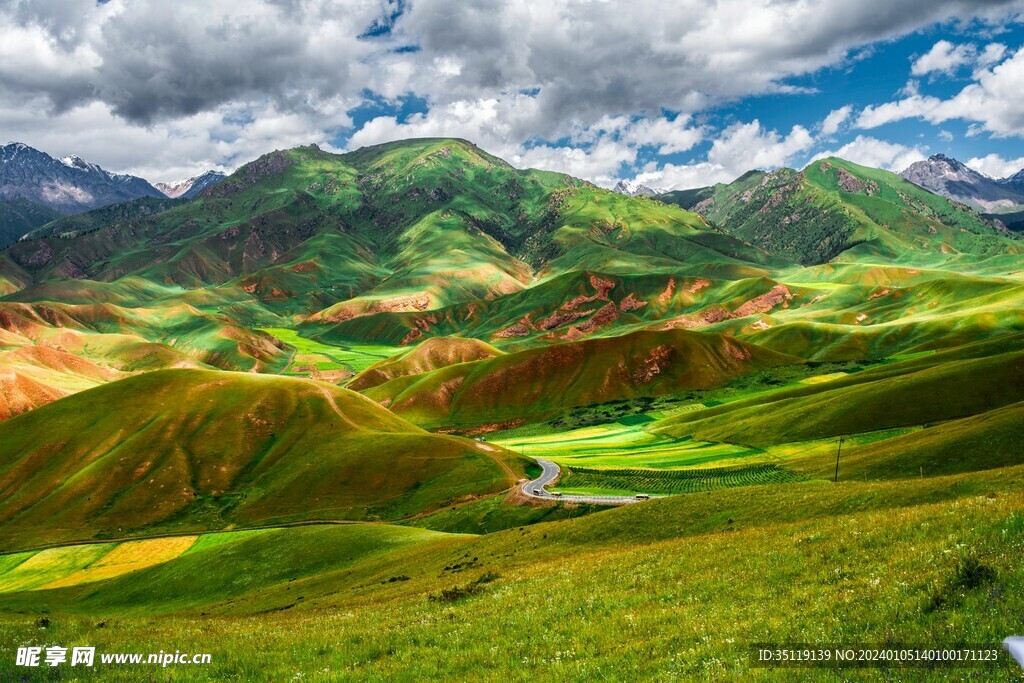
{"x":869,"y":151}
{"x":995,"y":166}
{"x":945,"y":58}
{"x":515,"y":76}
{"x":740,"y":148}
{"x":836,"y":118}
{"x":992,"y":102}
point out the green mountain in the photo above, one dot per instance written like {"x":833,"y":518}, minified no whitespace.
{"x":833,"y":206}
{"x":20,"y":216}
{"x":76,"y":225}
{"x":403,"y":226}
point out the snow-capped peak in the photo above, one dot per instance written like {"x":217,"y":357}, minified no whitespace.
{"x":68,"y":185}
{"x":190,"y":187}
{"x":635,"y":189}
{"x":75,"y":161}
{"x":1015,"y":179}
{"x":954,"y":179}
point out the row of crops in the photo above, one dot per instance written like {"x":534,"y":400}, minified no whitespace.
{"x":676,"y":481}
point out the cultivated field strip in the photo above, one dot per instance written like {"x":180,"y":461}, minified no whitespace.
{"x":677,"y":481}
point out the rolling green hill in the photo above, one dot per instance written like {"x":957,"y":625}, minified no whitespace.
{"x":985,"y":441}
{"x":915,"y":392}
{"x":432,"y":354}
{"x":199,"y":450}
{"x":511,"y":389}
{"x":208,"y":338}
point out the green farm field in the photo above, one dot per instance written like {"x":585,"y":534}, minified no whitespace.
{"x":617,"y":446}
{"x":351,"y":357}
{"x":616,"y":482}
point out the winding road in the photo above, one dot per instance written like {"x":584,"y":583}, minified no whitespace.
{"x":549,"y":472}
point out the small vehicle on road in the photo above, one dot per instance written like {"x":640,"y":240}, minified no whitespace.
{"x":643,"y":496}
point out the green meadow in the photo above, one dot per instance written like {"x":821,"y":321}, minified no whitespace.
{"x":308,"y":352}
{"x":635,"y":592}
{"x":618,"y":446}
{"x":614,"y":482}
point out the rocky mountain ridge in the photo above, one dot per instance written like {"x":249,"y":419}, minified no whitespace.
{"x":68,"y":185}
{"x":189,"y":188}
{"x":954,"y":179}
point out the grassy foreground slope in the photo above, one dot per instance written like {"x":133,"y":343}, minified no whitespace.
{"x":197,"y":450}
{"x":637,"y":592}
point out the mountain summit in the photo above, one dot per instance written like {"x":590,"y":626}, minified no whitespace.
{"x":951,"y":178}
{"x":1014,"y":182}
{"x":189,"y":188}
{"x":67,"y":185}
{"x":635,"y":189}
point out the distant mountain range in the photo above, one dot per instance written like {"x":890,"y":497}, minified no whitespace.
{"x":67,"y":185}
{"x":954,"y":179}
{"x":36,"y":188}
{"x":191,"y":187}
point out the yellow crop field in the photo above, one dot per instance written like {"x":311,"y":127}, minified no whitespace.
{"x":49,"y":565}
{"x":821,"y":379}
{"x":127,"y":557}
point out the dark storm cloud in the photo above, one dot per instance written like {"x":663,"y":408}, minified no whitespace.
{"x":156,"y":60}
{"x":150,"y":60}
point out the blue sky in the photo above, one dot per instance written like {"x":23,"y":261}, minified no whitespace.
{"x":937,"y":60}
{"x":674,"y":95}
{"x":879,"y":76}
{"x":874,"y":74}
